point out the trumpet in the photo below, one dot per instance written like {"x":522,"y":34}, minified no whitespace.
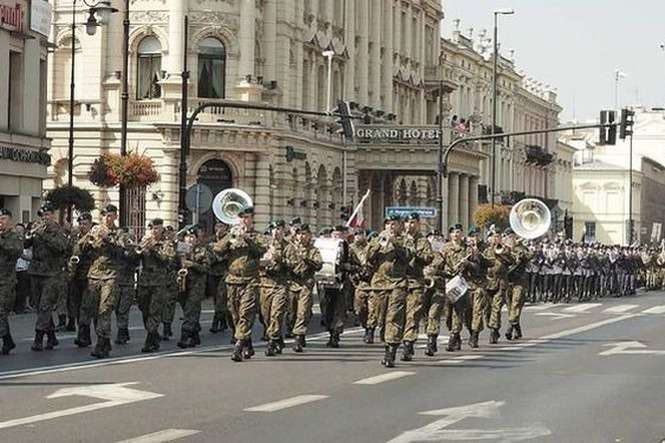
{"x":38,"y":227}
{"x":147,"y":243}
{"x":182,"y":279}
{"x":74,"y":260}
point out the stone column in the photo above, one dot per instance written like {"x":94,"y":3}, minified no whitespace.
{"x":349,"y":40}
{"x":453,"y":198}
{"x":375,"y":56}
{"x":262,"y":191}
{"x":464,"y":200}
{"x":270,"y":41}
{"x":473,"y":197}
{"x":387,"y":81}
{"x":363,"y":52}
{"x":177,"y":11}
{"x":246,"y":38}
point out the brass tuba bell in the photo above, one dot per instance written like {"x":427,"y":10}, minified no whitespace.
{"x":530,"y":218}
{"x":228,"y":204}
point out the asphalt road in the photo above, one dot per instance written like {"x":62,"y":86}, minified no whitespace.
{"x":583,"y":373}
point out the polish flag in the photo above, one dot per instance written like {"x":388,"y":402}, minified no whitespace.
{"x":357,"y":219}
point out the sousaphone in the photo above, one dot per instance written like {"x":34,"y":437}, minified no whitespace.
{"x":530,"y":218}
{"x":228,"y":204}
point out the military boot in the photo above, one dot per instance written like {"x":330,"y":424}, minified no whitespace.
{"x":518,"y":331}
{"x":7,"y":343}
{"x":62,"y":323}
{"x":51,"y":340}
{"x":297,"y":343}
{"x":389,"y":356}
{"x":407,"y":351}
{"x":71,"y":325}
{"x":185,"y":340}
{"x":458,"y":343}
{"x":151,"y":343}
{"x":167,"y":331}
{"x":473,"y":341}
{"x":123,"y":336}
{"x":494,"y":336}
{"x":38,"y":344}
{"x":237,"y":351}
{"x":369,"y":336}
{"x":271,"y":349}
{"x":509,"y":333}
{"x":83,"y":337}
{"x":452,"y":342}
{"x":248,"y":349}
{"x":214,"y":328}
{"x":102,"y":348}
{"x":333,"y":341}
{"x":431,"y":346}
{"x":280,"y":345}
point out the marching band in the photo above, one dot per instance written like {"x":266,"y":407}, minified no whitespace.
{"x":396,"y":282}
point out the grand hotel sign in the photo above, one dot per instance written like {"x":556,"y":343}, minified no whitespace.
{"x":397,"y":134}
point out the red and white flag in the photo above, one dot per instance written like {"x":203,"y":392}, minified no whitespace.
{"x":357,"y":219}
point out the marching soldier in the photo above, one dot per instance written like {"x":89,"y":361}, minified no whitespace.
{"x":11,"y":247}
{"x":304,"y":260}
{"x":290,"y":321}
{"x":192,"y":276}
{"x":334,"y":299}
{"x":109,"y":248}
{"x":244,"y":248}
{"x":50,"y":251}
{"x":517,"y":284}
{"x":168,"y":313}
{"x":79,"y":265}
{"x":126,"y":290}
{"x":435,"y":292}
{"x":501,"y":260}
{"x":420,"y":252}
{"x":274,"y":288}
{"x":388,"y":255}
{"x":361,"y":276}
{"x":217,"y":273}
{"x":157,"y":254}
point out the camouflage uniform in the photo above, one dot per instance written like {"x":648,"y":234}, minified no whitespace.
{"x":78,"y":277}
{"x":171,"y":295}
{"x":101,"y":296}
{"x":421,"y":255}
{"x":50,"y":251}
{"x":517,"y":289}
{"x":153,"y":287}
{"x":194,"y":294}
{"x":303,"y":261}
{"x":391,"y":260}
{"x":497,"y":287}
{"x":242,"y":283}
{"x":11,"y":247}
{"x":434,"y":302}
{"x":216,"y":276}
{"x":126,"y":295}
{"x":361,"y":277}
{"x":274,"y":288}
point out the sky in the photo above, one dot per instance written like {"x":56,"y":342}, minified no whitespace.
{"x":576,"y":46}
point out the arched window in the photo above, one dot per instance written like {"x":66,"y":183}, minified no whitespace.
{"x":212,"y":68}
{"x":149,"y":69}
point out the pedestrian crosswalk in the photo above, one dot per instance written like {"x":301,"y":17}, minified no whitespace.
{"x":596,"y":308}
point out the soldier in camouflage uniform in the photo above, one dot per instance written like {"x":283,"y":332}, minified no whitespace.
{"x":126,"y":292}
{"x":501,"y":260}
{"x":172,"y":291}
{"x":274,"y":288}
{"x":50,"y":252}
{"x":361,"y":277}
{"x":420,"y":252}
{"x":335,"y":297}
{"x":517,"y":283}
{"x":290,"y":320}
{"x":304,"y":260}
{"x":196,"y":262}
{"x":435,"y":293}
{"x":109,"y":248}
{"x":390,"y":257}
{"x":11,"y":247}
{"x":216,"y":275}
{"x":157,"y":254}
{"x":243,"y":247}
{"x":78,"y":271}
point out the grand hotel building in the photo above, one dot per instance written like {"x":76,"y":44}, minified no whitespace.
{"x":388,"y":60}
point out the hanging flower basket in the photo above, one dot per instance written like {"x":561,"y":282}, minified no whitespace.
{"x":65,"y":196}
{"x":131,"y":171}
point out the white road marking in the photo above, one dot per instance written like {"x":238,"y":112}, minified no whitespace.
{"x":383,"y":378}
{"x":461,"y":359}
{"x":638,"y":348}
{"x":115,"y":394}
{"x":133,"y":328}
{"x":162,"y":436}
{"x":583,"y":307}
{"x":28,"y":372}
{"x":436,"y":431}
{"x":655,"y":310}
{"x":620,"y":309}
{"x":541,"y":307}
{"x":286,"y":403}
{"x":555,"y":315}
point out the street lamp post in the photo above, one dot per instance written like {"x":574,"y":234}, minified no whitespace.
{"x":497,"y":12}
{"x":103,"y":9}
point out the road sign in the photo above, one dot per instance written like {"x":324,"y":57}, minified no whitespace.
{"x":199,"y":199}
{"x":404,"y":211}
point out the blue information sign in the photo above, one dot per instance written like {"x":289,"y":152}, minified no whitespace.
{"x":404,"y":211}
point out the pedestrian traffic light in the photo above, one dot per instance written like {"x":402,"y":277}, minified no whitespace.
{"x":608,"y":129}
{"x":344,"y":112}
{"x":626,"y":124}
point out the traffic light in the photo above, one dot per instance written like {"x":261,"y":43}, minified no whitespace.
{"x":608,"y":134}
{"x":345,"y":120}
{"x":627,"y":122}
{"x":344,"y":213}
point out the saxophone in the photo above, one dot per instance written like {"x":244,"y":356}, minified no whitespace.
{"x":183,"y":272}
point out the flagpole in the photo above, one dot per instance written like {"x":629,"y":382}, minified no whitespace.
{"x":357,"y":208}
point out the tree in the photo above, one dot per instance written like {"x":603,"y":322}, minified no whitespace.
{"x":488,"y":215}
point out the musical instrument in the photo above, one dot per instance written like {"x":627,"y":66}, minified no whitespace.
{"x":38,"y":228}
{"x":147,"y":242}
{"x":660,"y":260}
{"x":456,"y":288}
{"x":182,"y":279}
{"x":530,"y":218}
{"x":228,"y":204}
{"x":332,"y":250}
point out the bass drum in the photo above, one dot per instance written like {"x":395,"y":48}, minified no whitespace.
{"x":331,"y":250}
